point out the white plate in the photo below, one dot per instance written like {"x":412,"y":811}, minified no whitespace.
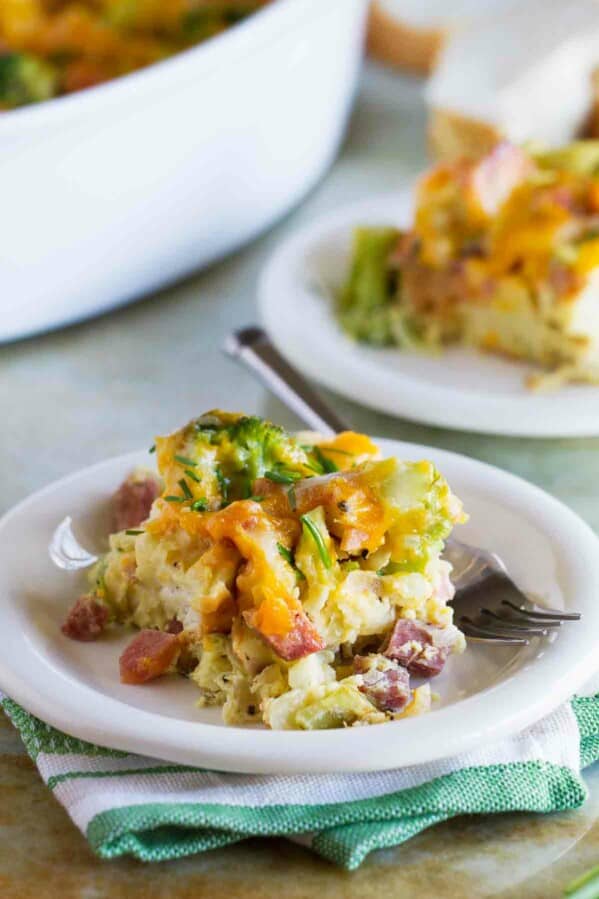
{"x":456,"y":389}
{"x":486,"y":693}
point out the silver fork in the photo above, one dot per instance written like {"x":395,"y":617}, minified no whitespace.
{"x":489,"y":607}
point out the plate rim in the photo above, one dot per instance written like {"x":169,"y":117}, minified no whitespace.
{"x":411,"y":398}
{"x":295,"y":752}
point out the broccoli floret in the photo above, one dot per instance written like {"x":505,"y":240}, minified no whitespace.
{"x":249,"y":447}
{"x":204,"y":22}
{"x":364,"y":303}
{"x":217,"y":458}
{"x":25,"y":79}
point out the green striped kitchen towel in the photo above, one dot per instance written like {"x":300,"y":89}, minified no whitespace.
{"x":127,"y":804}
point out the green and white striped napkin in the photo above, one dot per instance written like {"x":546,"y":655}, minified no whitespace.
{"x":127,"y":804}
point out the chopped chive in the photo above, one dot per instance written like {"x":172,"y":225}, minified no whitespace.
{"x":328,"y":464}
{"x":133,"y":533}
{"x":191,"y":474}
{"x":333,"y":449}
{"x":200,"y":505}
{"x":152,"y":448}
{"x":223,"y":483}
{"x":317,"y":469}
{"x":288,"y":556}
{"x":185,"y":460}
{"x":185,"y":488}
{"x":174,"y":499}
{"x":286,"y":553}
{"x":282,"y":477}
{"x":314,"y":532}
{"x":292,"y":498}
{"x":255,"y":499}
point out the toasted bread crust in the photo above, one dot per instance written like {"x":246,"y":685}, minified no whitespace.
{"x":398,"y":44}
{"x":453,"y":136}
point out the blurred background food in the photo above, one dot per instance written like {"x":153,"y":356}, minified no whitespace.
{"x":54,"y":47}
{"x":498,"y":69}
{"x":132,"y":184}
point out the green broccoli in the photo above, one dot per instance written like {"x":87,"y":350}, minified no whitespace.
{"x":204,"y":22}
{"x":248,"y":448}
{"x":365,"y":302}
{"x":580,"y":157}
{"x":24,"y":79}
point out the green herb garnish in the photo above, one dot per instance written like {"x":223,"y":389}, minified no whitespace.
{"x":256,"y":499}
{"x":314,"y":532}
{"x":174,"y":499}
{"x":185,"y":488}
{"x":282,"y":476}
{"x":285,"y":552}
{"x":133,"y":533}
{"x":292,"y":498}
{"x":288,"y":556}
{"x":340,"y":452}
{"x":200,"y":505}
{"x":191,"y":474}
{"x":185,"y":460}
{"x":327,"y":464}
{"x":152,"y":448}
{"x":223,"y":484}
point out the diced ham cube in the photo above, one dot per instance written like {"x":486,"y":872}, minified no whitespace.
{"x":412,"y":645}
{"x":133,"y":500}
{"x":496,"y":175}
{"x":150,"y":654}
{"x":86,"y":620}
{"x":384,"y":682}
{"x":174,"y":626}
{"x":300,"y":641}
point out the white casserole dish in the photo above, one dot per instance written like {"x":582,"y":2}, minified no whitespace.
{"x":118,"y":190}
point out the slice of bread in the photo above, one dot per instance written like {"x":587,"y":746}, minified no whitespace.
{"x":524,"y":75}
{"x":396,"y":42}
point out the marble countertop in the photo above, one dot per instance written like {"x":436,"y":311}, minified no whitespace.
{"x":104,"y":387}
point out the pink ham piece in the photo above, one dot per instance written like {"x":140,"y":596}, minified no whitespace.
{"x":302,"y":640}
{"x":150,"y":654}
{"x":385,"y":683}
{"x":496,"y":175}
{"x":86,"y":620}
{"x":174,"y":626}
{"x":133,"y":500}
{"x":412,"y":645}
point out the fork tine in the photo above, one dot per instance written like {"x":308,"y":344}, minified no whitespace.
{"x":484,"y":635}
{"x":546,"y":615}
{"x":505,"y":630}
{"x":65,"y":550}
{"x":521,"y":623}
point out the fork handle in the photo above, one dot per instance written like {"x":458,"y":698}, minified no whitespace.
{"x":253,"y":348}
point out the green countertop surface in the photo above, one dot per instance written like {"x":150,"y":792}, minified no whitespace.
{"x":107,"y":386}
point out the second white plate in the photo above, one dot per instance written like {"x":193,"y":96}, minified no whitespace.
{"x":457,"y":389}
{"x":486,"y":693}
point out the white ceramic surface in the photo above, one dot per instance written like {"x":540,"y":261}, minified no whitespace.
{"x":458,"y":388}
{"x":486,"y":693}
{"x":118,"y":190}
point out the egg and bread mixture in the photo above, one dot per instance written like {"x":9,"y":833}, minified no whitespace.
{"x":53,"y":47}
{"x":502,"y":255}
{"x":296,"y":580}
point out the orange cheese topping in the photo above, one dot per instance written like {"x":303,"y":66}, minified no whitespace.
{"x":353,"y":513}
{"x":348,"y":447}
{"x":588,"y":256}
{"x":273,"y":616}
